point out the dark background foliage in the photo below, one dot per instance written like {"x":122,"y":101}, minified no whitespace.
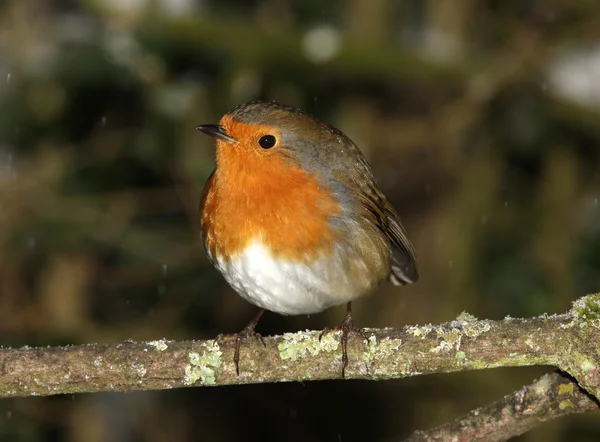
{"x":480,"y":120}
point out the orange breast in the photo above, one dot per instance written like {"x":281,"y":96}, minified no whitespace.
{"x":255,"y":197}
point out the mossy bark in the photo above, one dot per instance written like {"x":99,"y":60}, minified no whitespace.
{"x":569,"y":342}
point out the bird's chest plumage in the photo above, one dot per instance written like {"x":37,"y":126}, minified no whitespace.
{"x":277,"y":204}
{"x":269,"y":231}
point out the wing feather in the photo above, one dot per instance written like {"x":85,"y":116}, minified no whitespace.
{"x":377,"y":207}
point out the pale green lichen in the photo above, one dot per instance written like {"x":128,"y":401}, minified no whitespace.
{"x":565,"y":404}
{"x":477,"y":364}
{"x":160,"y":345}
{"x":460,"y":356}
{"x":202,"y":367}
{"x":542,"y":386}
{"x":567,"y":325}
{"x":466,"y":317}
{"x":513,"y":360}
{"x":383,"y":350}
{"x":450,"y":336}
{"x":474,"y":329}
{"x":420,"y":331}
{"x":387,"y":346}
{"x":444,"y":346}
{"x":588,"y":365}
{"x":371,"y":348}
{"x":587,"y":307}
{"x":298,"y":345}
{"x":565,"y":389}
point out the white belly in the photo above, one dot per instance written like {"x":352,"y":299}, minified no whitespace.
{"x":289,"y":288}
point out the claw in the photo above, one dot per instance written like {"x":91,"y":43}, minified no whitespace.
{"x":247,"y":332}
{"x":346,"y":327}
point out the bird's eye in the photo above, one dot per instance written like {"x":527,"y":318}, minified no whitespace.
{"x":267,"y":141}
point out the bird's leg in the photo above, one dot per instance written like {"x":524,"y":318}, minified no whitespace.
{"x":247,"y":332}
{"x":346,"y":327}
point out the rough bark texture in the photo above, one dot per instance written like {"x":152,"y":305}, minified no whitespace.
{"x":553,"y":395}
{"x":570,"y":341}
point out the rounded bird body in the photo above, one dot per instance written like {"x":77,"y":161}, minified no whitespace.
{"x":292,"y":216}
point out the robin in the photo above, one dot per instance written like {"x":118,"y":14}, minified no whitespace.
{"x":293,"y":218}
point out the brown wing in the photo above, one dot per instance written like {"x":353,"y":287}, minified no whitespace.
{"x":377,"y":207}
{"x":404,"y":263}
{"x":404,"y":266}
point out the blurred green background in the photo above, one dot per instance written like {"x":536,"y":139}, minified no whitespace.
{"x":481,"y":120}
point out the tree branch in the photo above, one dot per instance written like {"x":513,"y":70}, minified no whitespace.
{"x":553,"y":395}
{"x":568,"y":341}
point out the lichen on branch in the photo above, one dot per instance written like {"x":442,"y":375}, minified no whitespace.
{"x":568,"y":341}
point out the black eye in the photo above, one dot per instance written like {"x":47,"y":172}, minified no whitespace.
{"x":267,"y":141}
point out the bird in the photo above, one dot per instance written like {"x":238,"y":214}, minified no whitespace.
{"x":294,"y":220}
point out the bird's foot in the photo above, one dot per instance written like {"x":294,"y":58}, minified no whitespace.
{"x":247,"y":332}
{"x":346,"y":327}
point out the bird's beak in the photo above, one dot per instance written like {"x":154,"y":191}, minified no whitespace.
{"x":214,"y":130}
